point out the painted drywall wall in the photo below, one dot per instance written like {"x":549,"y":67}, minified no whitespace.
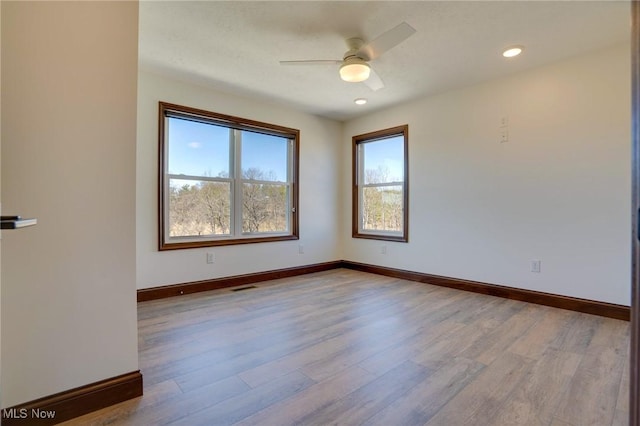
{"x":319,"y":177}
{"x":69,"y":75}
{"x":557,"y":191}
{"x":0,"y":209}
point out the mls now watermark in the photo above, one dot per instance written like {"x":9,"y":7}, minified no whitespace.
{"x":24,"y":413}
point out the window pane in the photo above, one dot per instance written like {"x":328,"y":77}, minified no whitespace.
{"x":264,"y":157}
{"x":382,"y":208}
{"x":264,"y":208}
{"x":199,"y":208}
{"x":383,"y":160}
{"x":198,"y":149}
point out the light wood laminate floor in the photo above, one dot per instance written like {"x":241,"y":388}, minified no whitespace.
{"x":347,"y":348}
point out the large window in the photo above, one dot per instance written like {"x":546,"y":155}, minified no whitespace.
{"x":380,"y":185}
{"x":225,"y":180}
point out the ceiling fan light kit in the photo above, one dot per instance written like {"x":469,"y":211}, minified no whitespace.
{"x":354,"y":70}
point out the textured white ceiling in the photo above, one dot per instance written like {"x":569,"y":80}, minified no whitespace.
{"x":236,"y":46}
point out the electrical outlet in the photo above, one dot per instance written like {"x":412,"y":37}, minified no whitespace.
{"x":211,"y":258}
{"x":300,"y":249}
{"x":535,"y":266}
{"x":383,"y":249}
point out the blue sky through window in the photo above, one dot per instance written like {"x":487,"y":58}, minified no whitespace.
{"x":200,"y":149}
{"x":388,"y":154}
{"x":265,"y":152}
{"x":197,"y":149}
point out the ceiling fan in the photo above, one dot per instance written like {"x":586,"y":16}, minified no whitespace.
{"x":354,"y":66}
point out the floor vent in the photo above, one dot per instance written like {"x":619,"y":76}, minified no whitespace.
{"x":244,"y":288}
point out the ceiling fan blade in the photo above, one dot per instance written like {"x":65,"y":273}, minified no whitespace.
{"x":374,"y":82}
{"x":312,"y":62}
{"x":386,"y":41}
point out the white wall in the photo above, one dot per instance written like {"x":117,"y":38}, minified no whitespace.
{"x":319,"y":177}
{"x":69,"y":73}
{"x":558,"y":191}
{"x":0,"y":208}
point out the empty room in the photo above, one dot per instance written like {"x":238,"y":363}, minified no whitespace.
{"x":317,"y":212}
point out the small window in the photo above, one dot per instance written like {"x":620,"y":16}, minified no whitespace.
{"x":225,"y":180}
{"x":380,"y":185}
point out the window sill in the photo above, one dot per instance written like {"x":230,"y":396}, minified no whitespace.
{"x":225,"y":242}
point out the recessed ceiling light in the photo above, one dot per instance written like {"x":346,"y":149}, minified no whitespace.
{"x":512,"y":51}
{"x":360,"y":101}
